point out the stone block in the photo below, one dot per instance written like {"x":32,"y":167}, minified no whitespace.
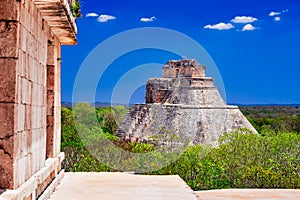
{"x":44,"y":173}
{"x":38,"y":139}
{"x":26,"y":67}
{"x":26,"y":91}
{"x":50,"y":146}
{"x":50,"y":77}
{"x":28,"y":146}
{"x":32,"y":73}
{"x":20,"y":168}
{"x":21,"y":117}
{"x":43,"y":95}
{"x":44,"y":76}
{"x":19,"y":90}
{"x":6,"y":171}
{"x":39,"y":160}
{"x":28,"y":171}
{"x":8,"y":79}
{"x":35,"y":161}
{"x":24,"y":17}
{"x":44,"y":117}
{"x":42,"y":155}
{"x":34,"y":94}
{"x":50,"y":103}
{"x":10,"y":10}
{"x":21,"y":63}
{"x":39,"y":73}
{"x":24,"y":85}
{"x":7,"y":145}
{"x":57,"y":138}
{"x":51,"y":55}
{"x":7,"y":119}
{"x":6,"y":164}
{"x":9,"y":36}
{"x":34,"y":53}
{"x":39,"y":117}
{"x":42,"y":53}
{"x":29,"y":24}
{"x":36,"y":27}
{"x":29,"y":95}
{"x":34,"y":123}
{"x":28,"y":114}
{"x":22,"y":147}
{"x":29,"y":44}
{"x":23,"y":39}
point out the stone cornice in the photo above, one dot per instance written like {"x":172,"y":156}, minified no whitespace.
{"x":58,"y":16}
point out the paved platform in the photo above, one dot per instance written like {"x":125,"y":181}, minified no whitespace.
{"x":249,"y":194}
{"x":124,"y":186}
{"x":121,"y":186}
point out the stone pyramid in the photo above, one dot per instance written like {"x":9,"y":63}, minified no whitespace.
{"x":185,"y":103}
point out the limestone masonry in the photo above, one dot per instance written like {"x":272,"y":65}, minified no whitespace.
{"x":31,"y":33}
{"x":184,"y":102}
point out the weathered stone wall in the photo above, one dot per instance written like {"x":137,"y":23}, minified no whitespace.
{"x":23,"y":55}
{"x":183,"y":68}
{"x":29,"y":100}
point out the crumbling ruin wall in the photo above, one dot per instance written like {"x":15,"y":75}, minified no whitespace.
{"x":29,"y":99}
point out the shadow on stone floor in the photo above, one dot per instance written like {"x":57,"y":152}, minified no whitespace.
{"x":2,"y":191}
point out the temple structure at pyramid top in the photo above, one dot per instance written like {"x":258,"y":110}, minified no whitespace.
{"x":183,"y":68}
{"x":184,"y":83}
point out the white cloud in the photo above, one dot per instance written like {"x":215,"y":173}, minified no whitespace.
{"x":91,"y":15}
{"x":244,"y":19}
{"x":105,"y":18}
{"x":249,"y":27}
{"x":220,"y":26}
{"x":271,"y":14}
{"x":277,"y":19}
{"x":151,"y":19}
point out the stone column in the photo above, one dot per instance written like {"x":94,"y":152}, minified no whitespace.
{"x":53,"y":99}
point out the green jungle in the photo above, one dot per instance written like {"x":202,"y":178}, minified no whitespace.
{"x":269,"y":159}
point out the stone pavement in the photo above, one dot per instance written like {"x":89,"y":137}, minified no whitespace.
{"x":249,"y":194}
{"x":121,"y":186}
{"x":124,"y":186}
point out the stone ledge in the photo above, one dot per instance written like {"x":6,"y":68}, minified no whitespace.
{"x":50,"y":189}
{"x":50,"y":166}
{"x":61,"y":157}
{"x":58,"y":16}
{"x":28,"y":189}
{"x":194,"y":107}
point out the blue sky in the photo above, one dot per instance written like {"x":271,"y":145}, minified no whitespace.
{"x":255,"y":44}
